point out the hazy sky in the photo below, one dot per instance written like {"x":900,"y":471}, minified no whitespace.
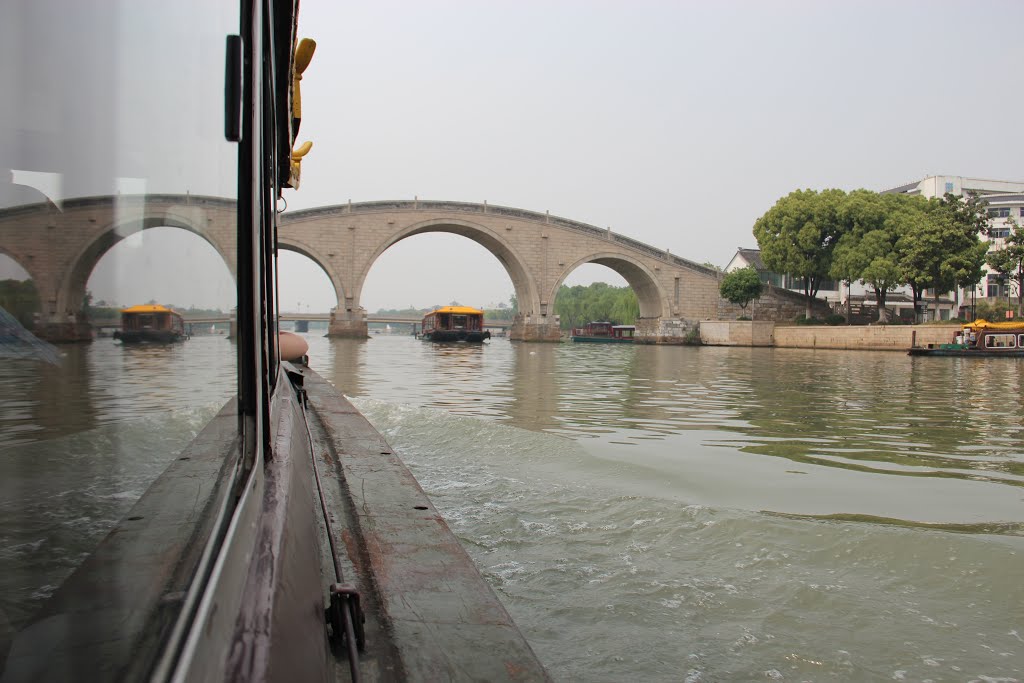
{"x":676,"y":123}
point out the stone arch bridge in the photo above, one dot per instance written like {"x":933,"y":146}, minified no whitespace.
{"x":59,"y":249}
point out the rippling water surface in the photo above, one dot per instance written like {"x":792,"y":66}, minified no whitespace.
{"x":645,"y":513}
{"x":717,"y":514}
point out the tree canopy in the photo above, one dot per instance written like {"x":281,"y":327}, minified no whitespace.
{"x":1009,"y":260}
{"x":599,"y":301}
{"x":940,"y":248}
{"x":20,"y":299}
{"x":798,"y":235}
{"x":867,"y":248}
{"x":882,"y":240}
{"x":741,"y":286}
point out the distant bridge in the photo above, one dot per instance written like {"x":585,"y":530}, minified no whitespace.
{"x":59,"y":249}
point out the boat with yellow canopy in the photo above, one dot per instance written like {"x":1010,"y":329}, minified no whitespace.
{"x":150,"y":323}
{"x":980,"y":339}
{"x":454,"y":323}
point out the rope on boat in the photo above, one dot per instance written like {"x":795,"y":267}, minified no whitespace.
{"x":344,"y":597}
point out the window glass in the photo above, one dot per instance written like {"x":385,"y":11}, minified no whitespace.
{"x":1000,"y":341}
{"x":117,"y":189}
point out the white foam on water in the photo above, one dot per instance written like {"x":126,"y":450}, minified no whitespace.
{"x":645,"y":575}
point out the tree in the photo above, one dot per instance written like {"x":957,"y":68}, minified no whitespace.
{"x":1009,"y":261}
{"x":20,"y":299}
{"x":798,"y":235}
{"x":741,"y":286}
{"x":967,"y":253}
{"x":942,"y":250}
{"x":910,"y":214}
{"x":579,"y":305}
{"x":866,"y":250}
{"x":87,"y":303}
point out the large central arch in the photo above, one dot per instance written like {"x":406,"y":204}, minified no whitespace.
{"x":525,"y":288}
{"x":76,"y":277}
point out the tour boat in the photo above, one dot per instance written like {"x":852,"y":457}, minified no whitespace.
{"x":980,"y":339}
{"x":604,"y":332}
{"x":454,"y":323}
{"x":150,"y":323}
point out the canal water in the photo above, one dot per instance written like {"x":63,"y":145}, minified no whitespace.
{"x":644,"y":513}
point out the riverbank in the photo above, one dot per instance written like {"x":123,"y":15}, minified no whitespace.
{"x":870,"y":337}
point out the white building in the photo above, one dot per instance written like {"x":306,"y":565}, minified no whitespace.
{"x":1005,"y":200}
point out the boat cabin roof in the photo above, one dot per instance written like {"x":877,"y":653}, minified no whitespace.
{"x":149,"y":308}
{"x":981,"y":324}
{"x":462,"y":310}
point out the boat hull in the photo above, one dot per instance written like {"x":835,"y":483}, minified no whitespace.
{"x":149,"y":336}
{"x":456,"y":336}
{"x":966,"y":353}
{"x":601,"y":340}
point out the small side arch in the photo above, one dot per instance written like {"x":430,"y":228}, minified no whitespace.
{"x":640,"y":278}
{"x":316,"y":257}
{"x":22,"y":262}
{"x":75,"y":278}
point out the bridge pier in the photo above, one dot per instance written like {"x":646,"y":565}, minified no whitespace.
{"x":350,"y":325}
{"x":63,"y":331}
{"x":525,"y":329}
{"x":664,"y":331}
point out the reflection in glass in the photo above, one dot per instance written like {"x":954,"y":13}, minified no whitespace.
{"x":110,"y":124}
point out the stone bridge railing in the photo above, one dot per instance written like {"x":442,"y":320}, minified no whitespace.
{"x":525,"y":214}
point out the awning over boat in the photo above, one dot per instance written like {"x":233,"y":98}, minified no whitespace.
{"x":148,"y":308}
{"x":981,"y":324}
{"x":460,"y":310}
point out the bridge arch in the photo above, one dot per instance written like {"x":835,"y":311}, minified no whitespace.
{"x":75,"y":279}
{"x":20,"y":261}
{"x":522,"y":281}
{"x":641,"y":279}
{"x":314,"y":255}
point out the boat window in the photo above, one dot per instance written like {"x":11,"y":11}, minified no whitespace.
{"x":111,"y":134}
{"x":1000,"y":341}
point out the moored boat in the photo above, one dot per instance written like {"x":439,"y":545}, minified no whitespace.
{"x":980,"y":339}
{"x":604,"y":332}
{"x":454,"y":323}
{"x":150,"y":323}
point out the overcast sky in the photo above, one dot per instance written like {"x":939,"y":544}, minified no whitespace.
{"x":675,"y":123}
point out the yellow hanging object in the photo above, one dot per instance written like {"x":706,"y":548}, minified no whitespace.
{"x":303,"y":56}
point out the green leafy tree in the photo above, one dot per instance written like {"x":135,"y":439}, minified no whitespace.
{"x":19,"y":298}
{"x":943,"y":249}
{"x":964,"y":264}
{"x":576,"y":306}
{"x":910,"y":214}
{"x":1009,"y":261}
{"x":741,"y":286}
{"x":799,"y":234}
{"x":866,"y":252}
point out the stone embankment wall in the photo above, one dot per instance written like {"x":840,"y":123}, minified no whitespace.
{"x":872,"y":337}
{"x":774,"y":304}
{"x":736,"y":333}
